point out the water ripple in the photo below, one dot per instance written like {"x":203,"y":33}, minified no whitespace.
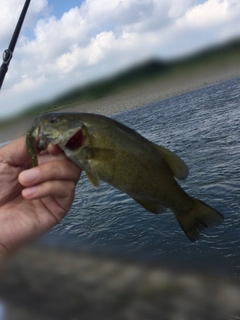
{"x":203,"y":128}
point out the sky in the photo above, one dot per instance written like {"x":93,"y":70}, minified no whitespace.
{"x":68,"y":43}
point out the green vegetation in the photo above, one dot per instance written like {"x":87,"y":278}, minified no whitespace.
{"x":133,"y":77}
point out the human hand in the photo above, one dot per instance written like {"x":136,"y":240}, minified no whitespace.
{"x":33,"y":200}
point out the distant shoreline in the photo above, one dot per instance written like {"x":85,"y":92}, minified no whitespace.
{"x":155,"y":91}
{"x":161,"y":89}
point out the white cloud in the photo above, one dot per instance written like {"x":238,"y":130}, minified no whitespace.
{"x":101,"y":37}
{"x":9,"y":14}
{"x":209,"y":13}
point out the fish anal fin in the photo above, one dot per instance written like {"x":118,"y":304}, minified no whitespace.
{"x":201,"y":216}
{"x":175,"y":163}
{"x":93,"y":179}
{"x":151,"y":206}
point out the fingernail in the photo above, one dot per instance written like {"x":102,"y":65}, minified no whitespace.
{"x":30,"y":175}
{"x":30,"y":192}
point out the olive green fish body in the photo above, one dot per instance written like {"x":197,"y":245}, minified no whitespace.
{"x":134,"y":166}
{"x":110,"y":151}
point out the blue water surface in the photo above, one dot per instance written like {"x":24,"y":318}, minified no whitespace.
{"x":202,"y":127}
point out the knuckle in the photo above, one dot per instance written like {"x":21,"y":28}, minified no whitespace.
{"x":65,"y":188}
{"x":71,"y":187}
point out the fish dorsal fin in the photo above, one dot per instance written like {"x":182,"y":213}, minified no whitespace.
{"x":175,"y":163}
{"x":93,"y":179}
{"x":151,"y":206}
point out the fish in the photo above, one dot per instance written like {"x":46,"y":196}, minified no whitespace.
{"x":110,"y":151}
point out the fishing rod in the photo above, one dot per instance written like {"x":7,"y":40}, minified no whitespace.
{"x":8,"y":53}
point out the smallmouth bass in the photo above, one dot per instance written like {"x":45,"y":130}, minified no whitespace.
{"x":110,"y":151}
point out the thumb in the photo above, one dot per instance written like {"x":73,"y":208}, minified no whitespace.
{"x":16,"y":153}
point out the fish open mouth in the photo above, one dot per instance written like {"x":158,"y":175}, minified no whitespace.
{"x":39,"y":141}
{"x":75,"y":141}
{"x":38,"y":144}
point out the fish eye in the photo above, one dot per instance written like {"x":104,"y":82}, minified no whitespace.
{"x":54,"y":120}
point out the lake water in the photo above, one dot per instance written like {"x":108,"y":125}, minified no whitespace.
{"x":202,"y":127}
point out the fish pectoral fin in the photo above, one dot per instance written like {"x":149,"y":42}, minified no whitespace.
{"x":176,"y":164}
{"x":101,"y":154}
{"x":93,"y":179}
{"x":151,"y":206}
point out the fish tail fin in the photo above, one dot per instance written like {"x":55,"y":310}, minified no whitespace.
{"x":201,"y":216}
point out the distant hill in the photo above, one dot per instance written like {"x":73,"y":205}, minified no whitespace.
{"x":141,"y":73}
